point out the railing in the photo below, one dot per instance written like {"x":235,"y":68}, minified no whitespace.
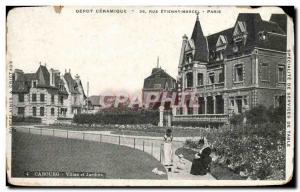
{"x":207,"y":87}
{"x":202,"y":117}
{"x":219,"y":85}
{"x":150,"y":146}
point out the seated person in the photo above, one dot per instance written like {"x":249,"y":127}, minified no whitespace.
{"x":201,"y":163}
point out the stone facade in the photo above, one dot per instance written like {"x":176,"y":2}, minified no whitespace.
{"x":47,"y":95}
{"x":233,"y":70}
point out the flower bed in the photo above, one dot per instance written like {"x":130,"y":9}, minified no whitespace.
{"x":253,"y":155}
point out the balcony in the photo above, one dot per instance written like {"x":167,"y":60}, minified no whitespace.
{"x":220,"y":118}
{"x":219,"y":85}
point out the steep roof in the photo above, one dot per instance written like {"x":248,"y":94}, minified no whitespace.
{"x":159,"y":79}
{"x":72,"y":85}
{"x":200,"y":43}
{"x":43,"y":76}
{"x":23,"y":82}
{"x":281,"y":20}
{"x":275,"y":36}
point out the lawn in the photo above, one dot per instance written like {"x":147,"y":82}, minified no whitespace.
{"x":47,"y":153}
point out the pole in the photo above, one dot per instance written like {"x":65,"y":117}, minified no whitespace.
{"x":67,"y":134}
{"x":160,"y":153}
{"x":134,"y":143}
{"x":119,"y":140}
{"x":83,"y":136}
{"x":151,"y":148}
{"x":100,"y":138}
{"x":29,"y":129}
{"x":143,"y":145}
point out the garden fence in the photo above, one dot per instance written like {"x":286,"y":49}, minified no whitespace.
{"x":150,"y":146}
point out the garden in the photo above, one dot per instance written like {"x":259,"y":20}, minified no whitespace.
{"x":255,"y":150}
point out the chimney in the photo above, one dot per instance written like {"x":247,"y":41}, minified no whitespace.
{"x":77,"y":77}
{"x":184,"y":37}
{"x":18,"y":74}
{"x":53,"y":74}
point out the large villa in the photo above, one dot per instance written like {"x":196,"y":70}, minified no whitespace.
{"x":233,"y":70}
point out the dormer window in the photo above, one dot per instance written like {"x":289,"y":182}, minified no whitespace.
{"x":240,"y":32}
{"x":221,"y":43}
{"x":34,"y":83}
{"x":262,"y":35}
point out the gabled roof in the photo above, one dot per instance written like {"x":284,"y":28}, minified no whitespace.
{"x":71,"y":83}
{"x":213,"y":38}
{"x":23,"y":82}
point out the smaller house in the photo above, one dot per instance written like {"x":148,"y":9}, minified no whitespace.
{"x":47,"y":94}
{"x":157,"y":86}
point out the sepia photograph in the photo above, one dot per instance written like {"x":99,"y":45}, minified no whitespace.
{"x":149,"y":96}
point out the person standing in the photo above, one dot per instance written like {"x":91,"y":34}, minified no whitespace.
{"x":168,"y":153}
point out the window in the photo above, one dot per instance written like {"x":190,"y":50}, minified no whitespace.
{"x":21,"y":97}
{"x":34,"y":84}
{"x":33,"y":111}
{"x":232,"y":102}
{"x":245,"y":101}
{"x":42,"y":97}
{"x":42,"y":111}
{"x":189,"y":58}
{"x":21,"y":110}
{"x":281,"y":73}
{"x":219,"y":56}
{"x":211,"y":78}
{"x":52,"y":111}
{"x":221,"y":77}
{"x":33,"y":98}
{"x":52,"y":98}
{"x":189,"y":79}
{"x":200,"y":78}
{"x":238,"y":73}
{"x":262,"y":35}
{"x":62,"y":100}
{"x":264,"y":72}
{"x":157,"y":86}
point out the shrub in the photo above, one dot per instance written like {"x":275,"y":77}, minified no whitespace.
{"x":118,"y":117}
{"x":29,"y":119}
{"x":236,"y":119}
{"x":258,"y":115}
{"x":190,"y":143}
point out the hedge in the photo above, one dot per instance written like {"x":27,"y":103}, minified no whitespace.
{"x":126,"y":117}
{"x":29,"y":119}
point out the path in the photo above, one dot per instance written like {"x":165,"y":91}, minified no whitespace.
{"x":151,"y":145}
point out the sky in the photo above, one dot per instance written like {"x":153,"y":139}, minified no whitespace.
{"x":113,"y":52}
